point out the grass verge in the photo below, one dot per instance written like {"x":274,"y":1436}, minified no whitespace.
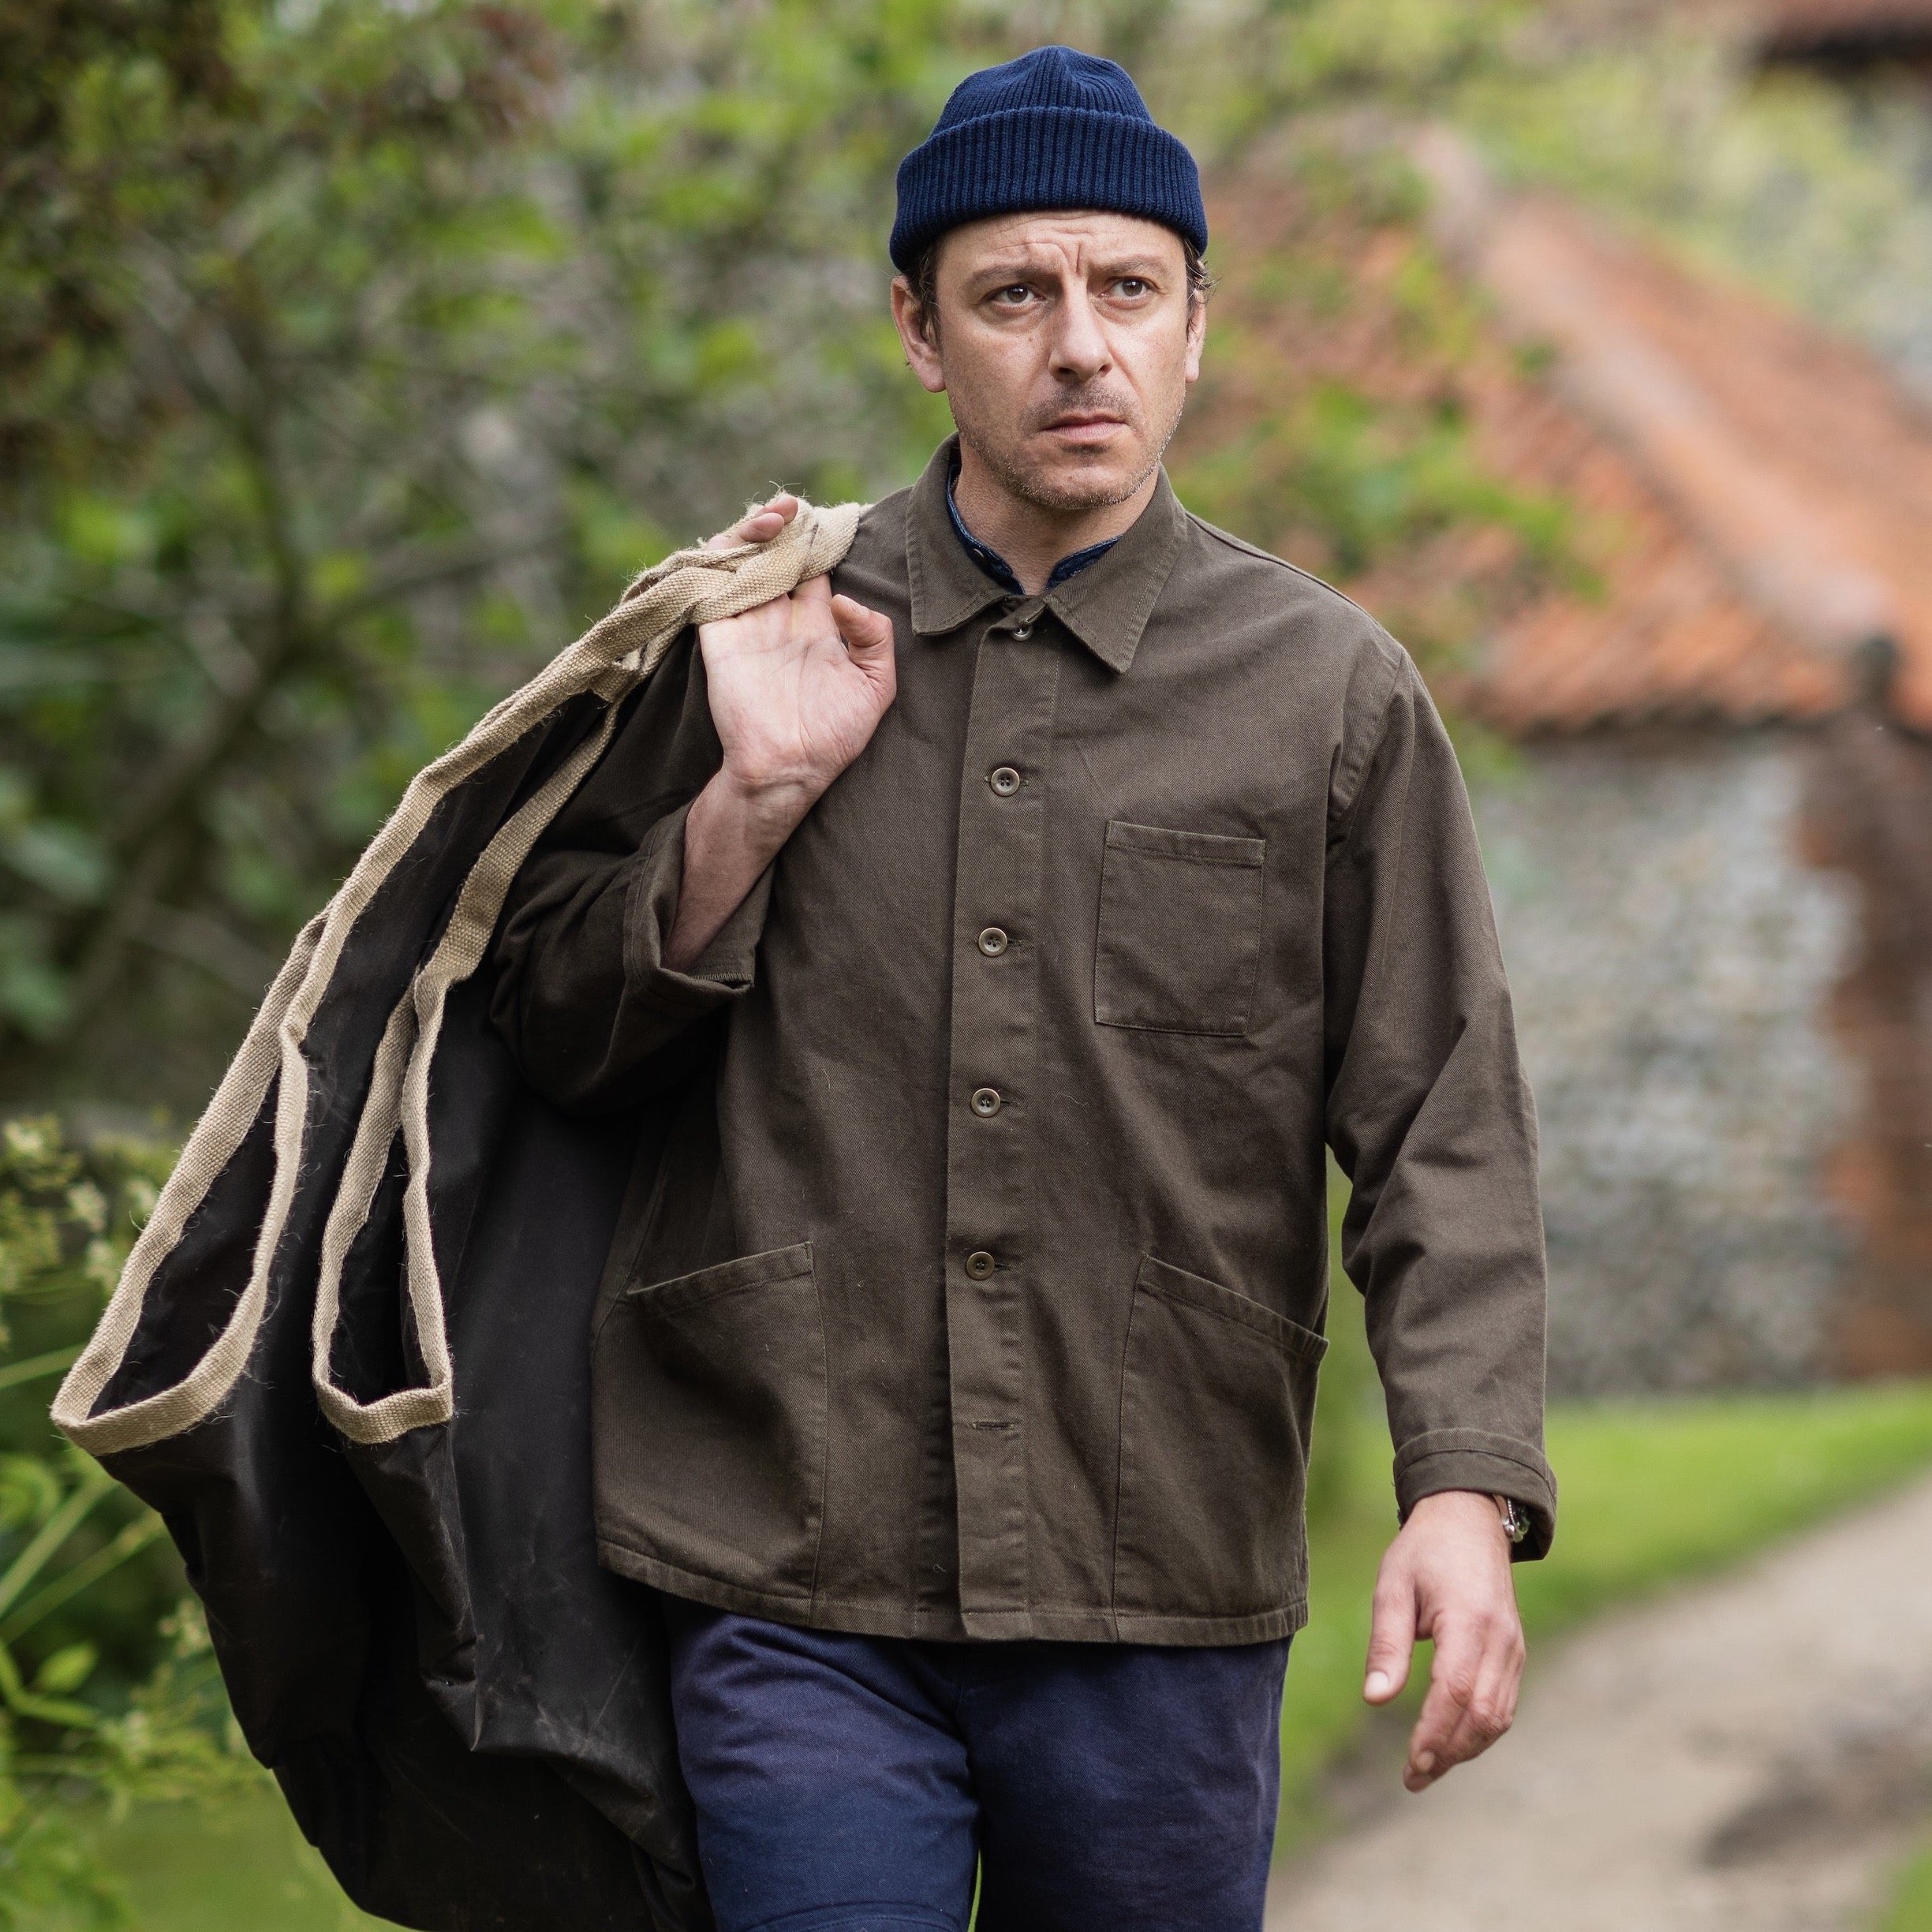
{"x":239,"y":1865}
{"x":1911,"y":1906}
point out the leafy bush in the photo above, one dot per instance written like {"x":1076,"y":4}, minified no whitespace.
{"x":356,"y":354}
{"x":108,"y":1690}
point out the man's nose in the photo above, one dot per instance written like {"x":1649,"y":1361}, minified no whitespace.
{"x":1079,"y":346}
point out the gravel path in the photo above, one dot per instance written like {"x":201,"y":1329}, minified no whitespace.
{"x":1750,"y":1755}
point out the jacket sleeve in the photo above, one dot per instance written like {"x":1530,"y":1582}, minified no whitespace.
{"x":1428,"y":1113}
{"x":595,"y":1017}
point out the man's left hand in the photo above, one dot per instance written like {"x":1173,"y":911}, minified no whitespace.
{"x":1447,"y":1577}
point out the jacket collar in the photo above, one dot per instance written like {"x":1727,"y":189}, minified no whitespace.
{"x":1106,"y":606}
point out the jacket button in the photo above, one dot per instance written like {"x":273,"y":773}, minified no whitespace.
{"x":1022,"y":632}
{"x":1004,"y":780}
{"x":985,"y":1102}
{"x":979,"y":1264}
{"x":992,"y":942}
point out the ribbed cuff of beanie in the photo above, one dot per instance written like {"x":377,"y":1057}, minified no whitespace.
{"x":1029,"y":159}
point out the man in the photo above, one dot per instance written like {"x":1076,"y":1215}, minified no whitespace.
{"x":1018,"y":915}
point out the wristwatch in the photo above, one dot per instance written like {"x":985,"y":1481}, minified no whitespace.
{"x":1515,"y":1518}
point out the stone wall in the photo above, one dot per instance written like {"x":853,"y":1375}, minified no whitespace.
{"x":1672,"y":956}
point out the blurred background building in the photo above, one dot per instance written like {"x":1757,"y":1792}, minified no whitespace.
{"x":1707,"y":804}
{"x":1714,"y":863}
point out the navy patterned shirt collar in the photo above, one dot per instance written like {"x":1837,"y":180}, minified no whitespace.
{"x":997,"y":567}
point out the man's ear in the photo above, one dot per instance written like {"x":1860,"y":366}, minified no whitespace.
{"x":917,"y":336}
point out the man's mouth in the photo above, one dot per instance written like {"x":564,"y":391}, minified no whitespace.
{"x":1080,"y":427}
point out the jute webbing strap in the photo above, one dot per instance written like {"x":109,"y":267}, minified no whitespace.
{"x":610,"y":659}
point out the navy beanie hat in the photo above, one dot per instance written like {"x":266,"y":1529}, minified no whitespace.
{"x":1052,"y":129}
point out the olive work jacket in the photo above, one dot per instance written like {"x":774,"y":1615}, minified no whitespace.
{"x":980,"y":1292}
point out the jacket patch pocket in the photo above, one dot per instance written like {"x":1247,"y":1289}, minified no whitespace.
{"x":1180,"y":929}
{"x":708,"y":1402}
{"x":1217,"y":1398}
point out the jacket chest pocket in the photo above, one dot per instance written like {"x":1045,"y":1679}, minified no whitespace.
{"x":1179,"y":945}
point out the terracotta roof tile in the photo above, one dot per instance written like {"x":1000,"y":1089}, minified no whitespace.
{"x":1752,"y":497}
{"x":1776,"y":482}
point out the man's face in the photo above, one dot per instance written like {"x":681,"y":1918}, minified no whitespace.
{"x":1065,"y":344}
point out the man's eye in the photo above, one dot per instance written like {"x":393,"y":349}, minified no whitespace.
{"x":1131,"y":287}
{"x":1018,"y":292}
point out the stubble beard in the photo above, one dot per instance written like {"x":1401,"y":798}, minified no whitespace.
{"x":1042,"y":484}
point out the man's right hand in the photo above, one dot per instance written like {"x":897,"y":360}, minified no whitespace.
{"x":797,"y":687}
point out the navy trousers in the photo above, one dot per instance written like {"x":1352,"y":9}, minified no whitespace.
{"x":847,"y":1784}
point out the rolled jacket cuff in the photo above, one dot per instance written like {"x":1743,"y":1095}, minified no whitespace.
{"x":1473,"y":1459}
{"x":727,"y":966}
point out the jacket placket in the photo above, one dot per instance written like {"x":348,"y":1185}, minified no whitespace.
{"x":990,"y":1155}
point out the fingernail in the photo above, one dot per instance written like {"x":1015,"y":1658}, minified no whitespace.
{"x":1425,"y":1761}
{"x":1377,"y":1685}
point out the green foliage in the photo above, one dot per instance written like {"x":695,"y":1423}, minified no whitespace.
{"x":104,"y":1698}
{"x":1405,"y":54}
{"x":356,"y":354}
{"x":1816,"y":191}
{"x":1273,"y":61}
{"x":53,"y":1223}
{"x":1363,"y":480}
